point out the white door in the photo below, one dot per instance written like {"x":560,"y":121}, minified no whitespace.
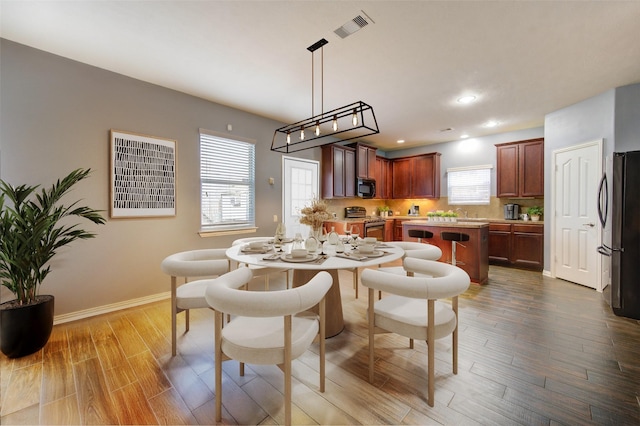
{"x":300,"y":184}
{"x":575,"y":225}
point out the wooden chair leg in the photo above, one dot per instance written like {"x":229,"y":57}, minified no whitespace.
{"x":287,"y":370}
{"x":186,"y":320}
{"x":355,"y":281}
{"x":218,"y":354}
{"x":322,"y":311}
{"x":410,"y":343}
{"x":454,"y":305}
{"x":174,"y":314}
{"x":431,"y":349}
{"x":371,"y":315}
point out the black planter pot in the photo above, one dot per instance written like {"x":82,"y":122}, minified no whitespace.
{"x":25,"y":329}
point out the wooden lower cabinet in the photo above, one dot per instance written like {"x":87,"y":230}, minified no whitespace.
{"x":397,"y":229}
{"x":388,"y":230}
{"x":518,"y":244}
{"x":473,"y":257}
{"x":499,"y":242}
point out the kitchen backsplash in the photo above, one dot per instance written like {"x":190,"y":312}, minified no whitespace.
{"x":495,"y":209}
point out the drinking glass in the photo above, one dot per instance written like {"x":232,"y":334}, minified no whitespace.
{"x":355,"y":233}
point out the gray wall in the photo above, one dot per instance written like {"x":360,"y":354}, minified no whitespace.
{"x":55,"y":117}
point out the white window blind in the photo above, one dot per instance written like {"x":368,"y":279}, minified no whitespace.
{"x":227,"y":183}
{"x":469,"y":185}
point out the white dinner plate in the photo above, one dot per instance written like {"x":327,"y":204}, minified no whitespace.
{"x":308,"y":258}
{"x":375,"y":253}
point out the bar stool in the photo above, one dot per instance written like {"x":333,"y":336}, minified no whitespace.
{"x":455,"y":238}
{"x":420,"y":234}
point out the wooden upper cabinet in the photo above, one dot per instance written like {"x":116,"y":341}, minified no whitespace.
{"x":520,"y":169}
{"x":426,"y":178}
{"x":338,"y":172}
{"x":532,"y":169}
{"x":416,"y":177}
{"x":365,"y":161}
{"x":401,"y":177}
{"x":382,"y":176}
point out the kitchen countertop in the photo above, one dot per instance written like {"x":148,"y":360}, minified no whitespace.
{"x":470,"y":219}
{"x":459,"y":224}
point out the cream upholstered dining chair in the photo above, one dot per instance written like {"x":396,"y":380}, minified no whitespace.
{"x":267,"y":327}
{"x":415,"y":250}
{"x":264,"y":271}
{"x":405,"y":312}
{"x":190,"y":295}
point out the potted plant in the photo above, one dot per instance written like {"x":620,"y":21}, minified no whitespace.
{"x":535,"y":212}
{"x":384,"y":211}
{"x":33,"y":226}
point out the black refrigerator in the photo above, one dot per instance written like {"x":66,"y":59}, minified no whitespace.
{"x":624,"y":213}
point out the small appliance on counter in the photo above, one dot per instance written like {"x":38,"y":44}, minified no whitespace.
{"x":414,"y":210}
{"x":511,"y":211}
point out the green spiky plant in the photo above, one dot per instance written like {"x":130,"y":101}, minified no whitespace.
{"x":33,"y":226}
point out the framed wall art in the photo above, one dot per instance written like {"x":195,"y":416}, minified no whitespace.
{"x":143,"y":175}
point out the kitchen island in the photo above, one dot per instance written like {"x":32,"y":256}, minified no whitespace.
{"x":472,"y":255}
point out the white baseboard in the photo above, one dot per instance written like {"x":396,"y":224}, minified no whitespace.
{"x":546,"y":273}
{"x":99,"y":310}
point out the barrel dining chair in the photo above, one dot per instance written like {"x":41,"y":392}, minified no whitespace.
{"x":267,"y":327}
{"x":412,"y":308}
{"x":190,"y":295}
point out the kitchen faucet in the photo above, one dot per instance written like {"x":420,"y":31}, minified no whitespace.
{"x":464,"y":212}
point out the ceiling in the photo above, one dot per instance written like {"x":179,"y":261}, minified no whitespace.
{"x":521,"y":59}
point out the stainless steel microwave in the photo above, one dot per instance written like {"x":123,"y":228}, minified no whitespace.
{"x":366,"y":188}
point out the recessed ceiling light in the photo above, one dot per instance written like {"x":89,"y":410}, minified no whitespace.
{"x":491,"y":123}
{"x":466,"y":99}
{"x":464,"y":136}
{"x":400,"y":141}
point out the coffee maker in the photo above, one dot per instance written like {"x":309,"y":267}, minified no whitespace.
{"x":511,"y":211}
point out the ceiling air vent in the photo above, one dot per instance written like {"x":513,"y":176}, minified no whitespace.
{"x":354,"y":25}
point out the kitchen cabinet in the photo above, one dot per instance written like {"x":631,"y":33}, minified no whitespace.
{"x":397,"y":229}
{"x":365,"y":160}
{"x":520,"y":169}
{"x":338,"y":171}
{"x":388,"y":230}
{"x":382,"y":175}
{"x":472,"y":256}
{"x":417,"y":176}
{"x":518,"y":244}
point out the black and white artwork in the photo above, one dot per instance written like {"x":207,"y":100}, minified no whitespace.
{"x":143,"y":175}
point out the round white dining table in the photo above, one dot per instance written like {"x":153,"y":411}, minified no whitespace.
{"x":304,"y":271}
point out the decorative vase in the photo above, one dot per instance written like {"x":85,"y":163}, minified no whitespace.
{"x":25,"y":328}
{"x":311,"y":243}
{"x":333,"y":237}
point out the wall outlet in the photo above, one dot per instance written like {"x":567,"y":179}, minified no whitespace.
{"x":275,"y":217}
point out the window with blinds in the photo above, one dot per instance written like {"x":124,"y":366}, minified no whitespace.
{"x":469,"y":185}
{"x":227,"y":183}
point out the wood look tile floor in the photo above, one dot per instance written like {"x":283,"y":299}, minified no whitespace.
{"x":533,"y":350}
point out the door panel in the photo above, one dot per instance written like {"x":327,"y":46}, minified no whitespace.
{"x":576,"y":228}
{"x":300,"y":184}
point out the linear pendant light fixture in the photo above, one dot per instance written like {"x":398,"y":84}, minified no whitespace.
{"x":352,"y":121}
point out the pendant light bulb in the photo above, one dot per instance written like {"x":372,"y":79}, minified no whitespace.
{"x":335,"y":123}
{"x":288,"y":138}
{"x":317,"y":131}
{"x":301,"y":133}
{"x":354,"y":118}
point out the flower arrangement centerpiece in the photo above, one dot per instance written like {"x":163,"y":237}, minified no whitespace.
{"x":315,"y":214}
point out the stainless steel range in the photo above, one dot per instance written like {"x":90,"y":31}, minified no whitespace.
{"x":373,"y":225}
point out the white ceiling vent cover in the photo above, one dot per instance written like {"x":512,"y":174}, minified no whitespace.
{"x":354,"y":25}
